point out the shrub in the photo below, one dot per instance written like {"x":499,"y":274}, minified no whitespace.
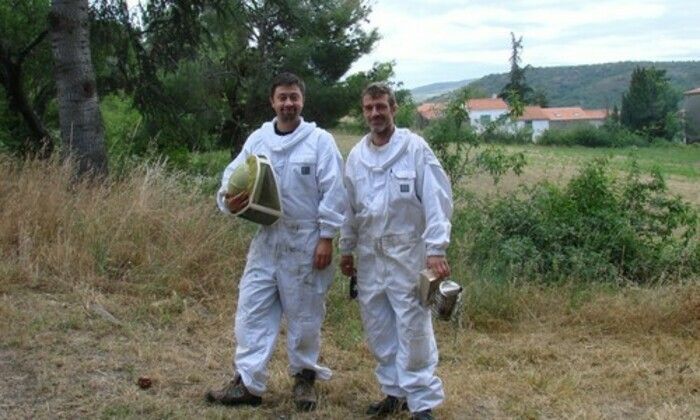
{"x":501,"y":134}
{"x":456,"y":145}
{"x":608,"y":135}
{"x":596,"y":228}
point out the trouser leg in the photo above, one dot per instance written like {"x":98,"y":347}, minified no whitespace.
{"x":417,"y":354}
{"x":303,"y":294}
{"x":378,"y":320}
{"x":257,"y":322}
{"x":379,"y":324}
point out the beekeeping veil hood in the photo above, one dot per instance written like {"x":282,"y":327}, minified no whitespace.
{"x":257,"y":177}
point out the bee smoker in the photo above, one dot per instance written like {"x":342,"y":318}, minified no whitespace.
{"x":440,"y":295}
{"x":445,"y":299}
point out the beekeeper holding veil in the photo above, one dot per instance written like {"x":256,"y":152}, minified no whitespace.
{"x":288,"y":268}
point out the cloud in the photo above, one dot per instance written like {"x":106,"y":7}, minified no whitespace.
{"x":430,"y":34}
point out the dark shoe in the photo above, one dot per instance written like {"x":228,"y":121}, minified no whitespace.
{"x":233,"y":393}
{"x":303,"y":392}
{"x":387,"y":406}
{"x":422,"y":415}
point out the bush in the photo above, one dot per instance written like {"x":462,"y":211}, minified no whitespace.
{"x":609,"y":135}
{"x":594,"y":229}
{"x":455,"y":144}
{"x":501,"y":134}
{"x":122,"y":124}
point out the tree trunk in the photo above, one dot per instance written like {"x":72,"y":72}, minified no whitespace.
{"x":82,"y":133}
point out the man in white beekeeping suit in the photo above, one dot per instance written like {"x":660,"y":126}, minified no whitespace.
{"x":288,"y":268}
{"x":397,"y":223}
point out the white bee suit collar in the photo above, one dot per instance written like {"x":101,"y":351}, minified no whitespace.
{"x":291,"y":140}
{"x":398,"y":143}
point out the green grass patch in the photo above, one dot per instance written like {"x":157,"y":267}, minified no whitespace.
{"x":670,"y":160}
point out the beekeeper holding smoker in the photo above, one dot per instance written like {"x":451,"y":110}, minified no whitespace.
{"x":288,"y":268}
{"x":397,"y":223}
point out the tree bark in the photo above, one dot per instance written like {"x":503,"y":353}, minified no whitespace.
{"x":79,"y":115}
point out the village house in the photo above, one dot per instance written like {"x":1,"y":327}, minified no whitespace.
{"x":540,"y":119}
{"x":483,"y":111}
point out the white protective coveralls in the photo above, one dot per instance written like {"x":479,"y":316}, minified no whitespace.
{"x":400,"y":208}
{"x":279,"y":276}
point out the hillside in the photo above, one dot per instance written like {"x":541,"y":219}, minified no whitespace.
{"x":422,"y":93}
{"x":590,"y":86}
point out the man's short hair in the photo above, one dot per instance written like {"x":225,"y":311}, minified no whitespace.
{"x":377,"y":89}
{"x":287,"y":79}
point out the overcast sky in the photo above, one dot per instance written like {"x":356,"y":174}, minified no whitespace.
{"x":448,"y":40}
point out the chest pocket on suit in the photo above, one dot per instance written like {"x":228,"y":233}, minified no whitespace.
{"x":303,"y":171}
{"x":403,"y":185}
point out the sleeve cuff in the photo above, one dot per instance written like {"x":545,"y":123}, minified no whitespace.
{"x":221,"y":203}
{"x":346,"y":246}
{"x":435,"y":251}
{"x":328,"y":231}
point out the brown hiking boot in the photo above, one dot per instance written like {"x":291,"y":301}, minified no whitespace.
{"x":303,"y":392}
{"x":233,"y":393}
{"x":422,"y":415}
{"x":387,"y":406}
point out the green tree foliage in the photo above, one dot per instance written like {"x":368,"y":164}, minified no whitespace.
{"x":650,"y":103}
{"x":25,"y":60}
{"x":407,"y":109}
{"x":197,"y":71}
{"x":202,"y":68}
{"x":516,"y":92}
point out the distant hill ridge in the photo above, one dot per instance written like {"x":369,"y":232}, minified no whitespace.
{"x":587,"y":86}
{"x":435,"y":89}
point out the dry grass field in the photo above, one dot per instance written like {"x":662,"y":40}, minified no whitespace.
{"x":103,"y":285}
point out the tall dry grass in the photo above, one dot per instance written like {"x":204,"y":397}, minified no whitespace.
{"x":152,"y":233}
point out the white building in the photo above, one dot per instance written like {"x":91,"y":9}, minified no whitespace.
{"x":482,"y":111}
{"x":541,"y":119}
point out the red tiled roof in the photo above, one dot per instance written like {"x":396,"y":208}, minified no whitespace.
{"x":695,"y":91}
{"x":596,"y":114}
{"x":482,"y":104}
{"x":562,"y":114}
{"x":533,"y":113}
{"x":430,"y":110}
{"x":574,"y":113}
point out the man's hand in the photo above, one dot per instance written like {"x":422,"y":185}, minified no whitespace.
{"x":235,"y":203}
{"x":323,"y":254}
{"x":438,"y":264}
{"x":347,"y":265}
